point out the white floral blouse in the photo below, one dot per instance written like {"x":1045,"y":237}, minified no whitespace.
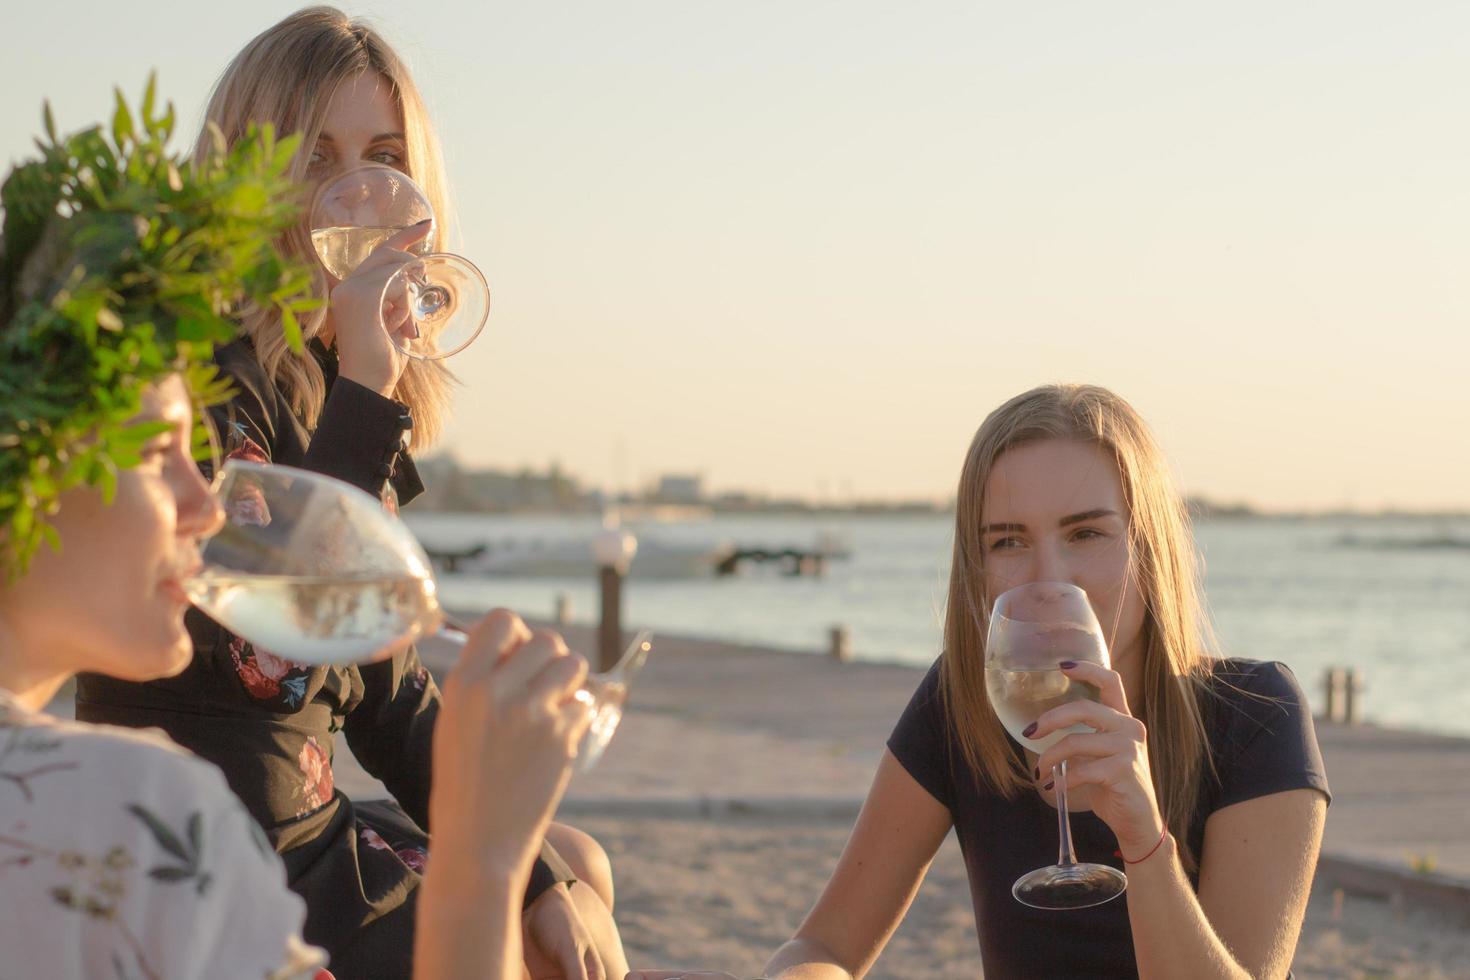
{"x":123,"y":857}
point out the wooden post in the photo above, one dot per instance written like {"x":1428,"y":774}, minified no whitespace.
{"x":1333,"y":682}
{"x":841,"y":648}
{"x":610,"y":630}
{"x":1352,"y":701}
{"x":563,"y":613}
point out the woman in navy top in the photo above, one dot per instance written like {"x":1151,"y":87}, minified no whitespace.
{"x":1202,"y":777}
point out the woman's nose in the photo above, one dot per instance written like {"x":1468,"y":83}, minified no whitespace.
{"x":200,"y":513}
{"x":1049,"y":565}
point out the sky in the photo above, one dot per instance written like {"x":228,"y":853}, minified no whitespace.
{"x":805,"y":247}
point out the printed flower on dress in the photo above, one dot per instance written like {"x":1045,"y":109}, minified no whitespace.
{"x":267,"y":676}
{"x":418,"y":679}
{"x":316,"y":768}
{"x":416,"y":858}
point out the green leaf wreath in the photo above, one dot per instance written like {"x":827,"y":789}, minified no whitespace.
{"x":121,"y":264}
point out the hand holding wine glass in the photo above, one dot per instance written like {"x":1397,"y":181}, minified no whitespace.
{"x":433,"y":304}
{"x":316,"y":571}
{"x":1033,"y":629}
{"x":1107,"y":752}
{"x":510,"y":718}
{"x":369,"y":333}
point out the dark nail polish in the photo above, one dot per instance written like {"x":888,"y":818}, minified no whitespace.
{"x":1049,"y":784}
{"x":426,"y":221}
{"x":1037,"y":772}
{"x":1029,"y":730}
{"x":1067,"y":664}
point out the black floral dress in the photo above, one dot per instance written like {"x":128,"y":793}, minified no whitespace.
{"x":270,"y":724}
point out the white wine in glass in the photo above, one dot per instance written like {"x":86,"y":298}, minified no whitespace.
{"x":1021,"y":696}
{"x":317,"y":571}
{"x":344,"y":247}
{"x":445,"y":295}
{"x":1033,"y":628}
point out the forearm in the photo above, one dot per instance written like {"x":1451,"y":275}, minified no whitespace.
{"x":358,"y":437}
{"x":804,"y":959}
{"x":1172,"y":937}
{"x":469,"y":928}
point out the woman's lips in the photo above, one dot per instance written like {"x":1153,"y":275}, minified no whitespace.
{"x":174,"y":589}
{"x":173,"y":586}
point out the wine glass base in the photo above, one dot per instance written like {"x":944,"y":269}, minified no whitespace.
{"x":1069,"y":886}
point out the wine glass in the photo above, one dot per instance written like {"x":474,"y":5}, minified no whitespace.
{"x":316,"y":571}
{"x":444,"y":295}
{"x":1032,"y":629}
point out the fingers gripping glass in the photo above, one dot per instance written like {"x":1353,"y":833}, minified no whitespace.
{"x":1033,"y":628}
{"x":433,"y":307}
{"x":316,"y":571}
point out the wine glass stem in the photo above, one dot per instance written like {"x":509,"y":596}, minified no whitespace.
{"x":455,"y":634}
{"x":1064,"y":825}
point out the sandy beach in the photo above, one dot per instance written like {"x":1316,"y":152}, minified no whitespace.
{"x":727,"y":795}
{"x":723,"y":892}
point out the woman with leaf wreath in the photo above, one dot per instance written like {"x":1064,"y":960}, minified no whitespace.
{"x":346,"y":409}
{"x":122,"y":855}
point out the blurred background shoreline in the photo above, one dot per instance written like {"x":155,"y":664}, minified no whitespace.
{"x":1386,"y":596}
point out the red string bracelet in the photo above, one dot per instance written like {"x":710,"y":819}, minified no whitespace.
{"x":1151,"y":850}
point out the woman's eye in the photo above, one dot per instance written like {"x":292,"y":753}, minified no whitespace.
{"x":155,"y":451}
{"x":390,"y":157}
{"x":1000,"y":544}
{"x":1088,"y":534}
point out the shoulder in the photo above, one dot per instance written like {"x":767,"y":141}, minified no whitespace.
{"x":117,"y":834}
{"x":1252,"y":693}
{"x":921,"y":740}
{"x":927,"y":701}
{"x":110,"y":761}
{"x":1259,"y":676}
{"x":237,"y":361}
{"x":1262,"y":739}
{"x":237,"y":358}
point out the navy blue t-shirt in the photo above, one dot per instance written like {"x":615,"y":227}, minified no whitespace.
{"x":1262,"y":741}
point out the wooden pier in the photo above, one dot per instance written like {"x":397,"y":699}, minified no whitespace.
{"x":449,"y":560}
{"x":795,"y":561}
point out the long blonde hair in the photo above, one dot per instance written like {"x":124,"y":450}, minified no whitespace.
{"x":1177,"y":644}
{"x":287,"y":77}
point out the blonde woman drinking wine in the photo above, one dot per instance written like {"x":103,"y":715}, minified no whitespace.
{"x":1197,"y":776}
{"x":122,"y":855}
{"x":346,"y":409}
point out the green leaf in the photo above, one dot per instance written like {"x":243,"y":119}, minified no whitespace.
{"x":135,"y":434}
{"x":119,"y":266}
{"x":168,"y":874}
{"x":122,"y":121}
{"x":195,"y":829}
{"x":150,"y":96}
{"x":292,"y":328}
{"x":166,"y":838}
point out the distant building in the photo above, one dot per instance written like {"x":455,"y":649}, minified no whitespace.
{"x":451,"y":487}
{"x":681,"y":489}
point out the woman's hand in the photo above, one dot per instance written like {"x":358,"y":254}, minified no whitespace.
{"x":554,"y":926}
{"x":364,"y":328}
{"x":503,"y":745}
{"x":1111,"y":760}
